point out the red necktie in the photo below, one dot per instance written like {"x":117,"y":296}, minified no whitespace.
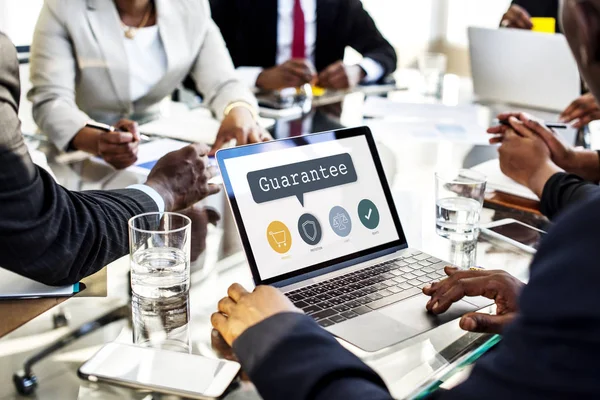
{"x":298,"y":44}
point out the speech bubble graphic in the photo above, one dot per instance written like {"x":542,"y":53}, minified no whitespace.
{"x":300,"y":178}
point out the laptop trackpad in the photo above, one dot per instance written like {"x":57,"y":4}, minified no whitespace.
{"x":412,"y":312}
{"x":395,"y":323}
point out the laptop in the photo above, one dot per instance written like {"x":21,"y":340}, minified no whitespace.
{"x":317,"y":220}
{"x":531,"y":69}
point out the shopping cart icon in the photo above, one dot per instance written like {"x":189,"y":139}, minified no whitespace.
{"x":279,"y":238}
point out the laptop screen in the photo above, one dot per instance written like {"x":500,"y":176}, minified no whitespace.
{"x":305,"y":203}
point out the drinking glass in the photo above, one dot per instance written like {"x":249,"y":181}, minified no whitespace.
{"x":159,"y":245}
{"x":459,"y":200}
{"x":433,"y":69}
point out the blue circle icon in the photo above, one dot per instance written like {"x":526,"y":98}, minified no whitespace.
{"x":340,"y":221}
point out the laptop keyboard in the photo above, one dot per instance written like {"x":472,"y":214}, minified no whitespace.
{"x":348,"y":296}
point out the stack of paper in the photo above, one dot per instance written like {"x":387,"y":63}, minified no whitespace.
{"x":497,"y":181}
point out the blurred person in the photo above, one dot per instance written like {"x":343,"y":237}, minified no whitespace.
{"x":287,"y":43}
{"x":114,"y":61}
{"x":582,"y":110}
{"x":550,"y":327}
{"x":57,"y":236}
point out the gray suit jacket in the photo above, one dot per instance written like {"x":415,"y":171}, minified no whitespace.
{"x":48,"y":233}
{"x":79,"y":67}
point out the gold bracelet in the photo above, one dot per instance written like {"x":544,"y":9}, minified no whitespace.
{"x":243,"y":104}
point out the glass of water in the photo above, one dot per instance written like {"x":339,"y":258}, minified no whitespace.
{"x":459,"y":199}
{"x":433,"y":69}
{"x":159,"y":245}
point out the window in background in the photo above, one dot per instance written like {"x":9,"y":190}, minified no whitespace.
{"x":465,"y":13}
{"x":18,"y":18}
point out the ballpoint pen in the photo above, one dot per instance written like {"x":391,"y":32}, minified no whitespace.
{"x":109,"y":128}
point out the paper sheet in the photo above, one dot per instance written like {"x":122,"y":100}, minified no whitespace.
{"x":16,"y":286}
{"x":380,"y":107}
{"x":196,"y":125}
{"x":428,"y":131}
{"x":149,"y":153}
{"x":496,"y":180}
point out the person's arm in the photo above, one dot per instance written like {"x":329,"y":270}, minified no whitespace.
{"x":289,"y":356}
{"x":48,"y":233}
{"x":367,"y":40}
{"x":562,"y":191}
{"x":56,"y":236}
{"x":53,"y":71}
{"x":214,"y":74}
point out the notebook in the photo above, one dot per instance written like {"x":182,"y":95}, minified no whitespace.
{"x":14,"y":286}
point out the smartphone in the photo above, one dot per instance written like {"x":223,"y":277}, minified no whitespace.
{"x":523,"y":236}
{"x":180,"y":374}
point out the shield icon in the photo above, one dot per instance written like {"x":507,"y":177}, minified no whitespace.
{"x":310,"y":230}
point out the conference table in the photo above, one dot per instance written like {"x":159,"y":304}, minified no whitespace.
{"x":410,"y":166}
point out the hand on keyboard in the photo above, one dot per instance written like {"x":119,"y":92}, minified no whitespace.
{"x":498,"y":285}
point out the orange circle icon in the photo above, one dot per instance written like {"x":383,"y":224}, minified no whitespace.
{"x":279,"y":237}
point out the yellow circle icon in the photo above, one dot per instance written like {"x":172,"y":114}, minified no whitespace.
{"x":279,"y":237}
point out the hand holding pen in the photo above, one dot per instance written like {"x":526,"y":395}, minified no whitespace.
{"x":118,"y":144}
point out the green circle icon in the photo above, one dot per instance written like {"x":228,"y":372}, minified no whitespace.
{"x":368,"y":214}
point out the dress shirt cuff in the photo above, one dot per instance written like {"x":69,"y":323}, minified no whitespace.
{"x":373,"y":70}
{"x":160,"y":203}
{"x":249,"y":75}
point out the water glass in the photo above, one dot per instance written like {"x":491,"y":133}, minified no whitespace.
{"x":159,"y":245}
{"x":162,"y":323}
{"x":433,"y":69}
{"x":459,"y":200}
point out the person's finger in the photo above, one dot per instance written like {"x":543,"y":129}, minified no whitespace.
{"x":519,"y":17}
{"x":254,"y":135}
{"x":506,"y":115}
{"x":485,"y":323}
{"x":520,"y":128}
{"x":586,"y":120}
{"x":498,"y":129}
{"x":226,"y":305}
{"x":116,"y":137}
{"x":496,"y":140}
{"x":213,"y":216}
{"x":236,"y":291}
{"x":300,"y":70}
{"x":128,"y":126}
{"x":220,"y":141}
{"x":265,"y":136}
{"x":292,"y":80}
{"x":547,"y":135}
{"x":219,"y":322}
{"x":213,"y":189}
{"x":476,"y":286}
{"x":565,"y":116}
{"x":438,"y":289}
{"x":578,"y":112}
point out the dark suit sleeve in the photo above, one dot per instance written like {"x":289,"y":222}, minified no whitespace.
{"x":289,"y":356}
{"x":48,"y":233}
{"x":563,"y":191}
{"x":540,"y":8}
{"x":367,"y":40}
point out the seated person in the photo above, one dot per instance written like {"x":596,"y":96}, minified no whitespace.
{"x":114,"y":61}
{"x":287,"y":43}
{"x":550,"y":346}
{"x":56,"y":236}
{"x":582,"y":110}
{"x":536,"y":157}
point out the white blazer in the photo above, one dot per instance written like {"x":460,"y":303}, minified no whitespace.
{"x":79,"y":67}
